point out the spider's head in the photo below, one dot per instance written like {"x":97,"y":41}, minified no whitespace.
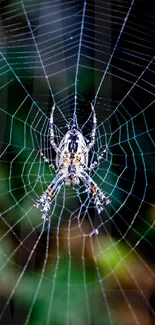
{"x":75,"y":180}
{"x":72,"y":178}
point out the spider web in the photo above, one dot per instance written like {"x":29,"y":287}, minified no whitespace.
{"x":71,"y":269}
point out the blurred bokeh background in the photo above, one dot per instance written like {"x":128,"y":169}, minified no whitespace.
{"x":78,"y":267}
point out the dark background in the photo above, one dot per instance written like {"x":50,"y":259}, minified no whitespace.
{"x":120,"y":261}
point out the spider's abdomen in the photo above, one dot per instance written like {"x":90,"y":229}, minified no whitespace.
{"x":73,"y":143}
{"x":72,"y":146}
{"x":72,"y":150}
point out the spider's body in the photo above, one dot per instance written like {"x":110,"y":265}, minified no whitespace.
{"x":72,"y":156}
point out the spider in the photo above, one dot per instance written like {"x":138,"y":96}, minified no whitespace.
{"x":72,"y":157}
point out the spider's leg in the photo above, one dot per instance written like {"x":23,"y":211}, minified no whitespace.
{"x":93,"y":132}
{"x":44,"y":157}
{"x":100,"y":198}
{"x":52,"y":142}
{"x":47,"y":161}
{"x":97,"y":162}
{"x":44,"y":202}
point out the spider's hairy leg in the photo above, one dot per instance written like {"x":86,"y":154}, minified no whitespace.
{"x":93,"y":132}
{"x":52,"y":142}
{"x":44,"y":202}
{"x":97,"y":162}
{"x":47,"y":161}
{"x":100,"y":198}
